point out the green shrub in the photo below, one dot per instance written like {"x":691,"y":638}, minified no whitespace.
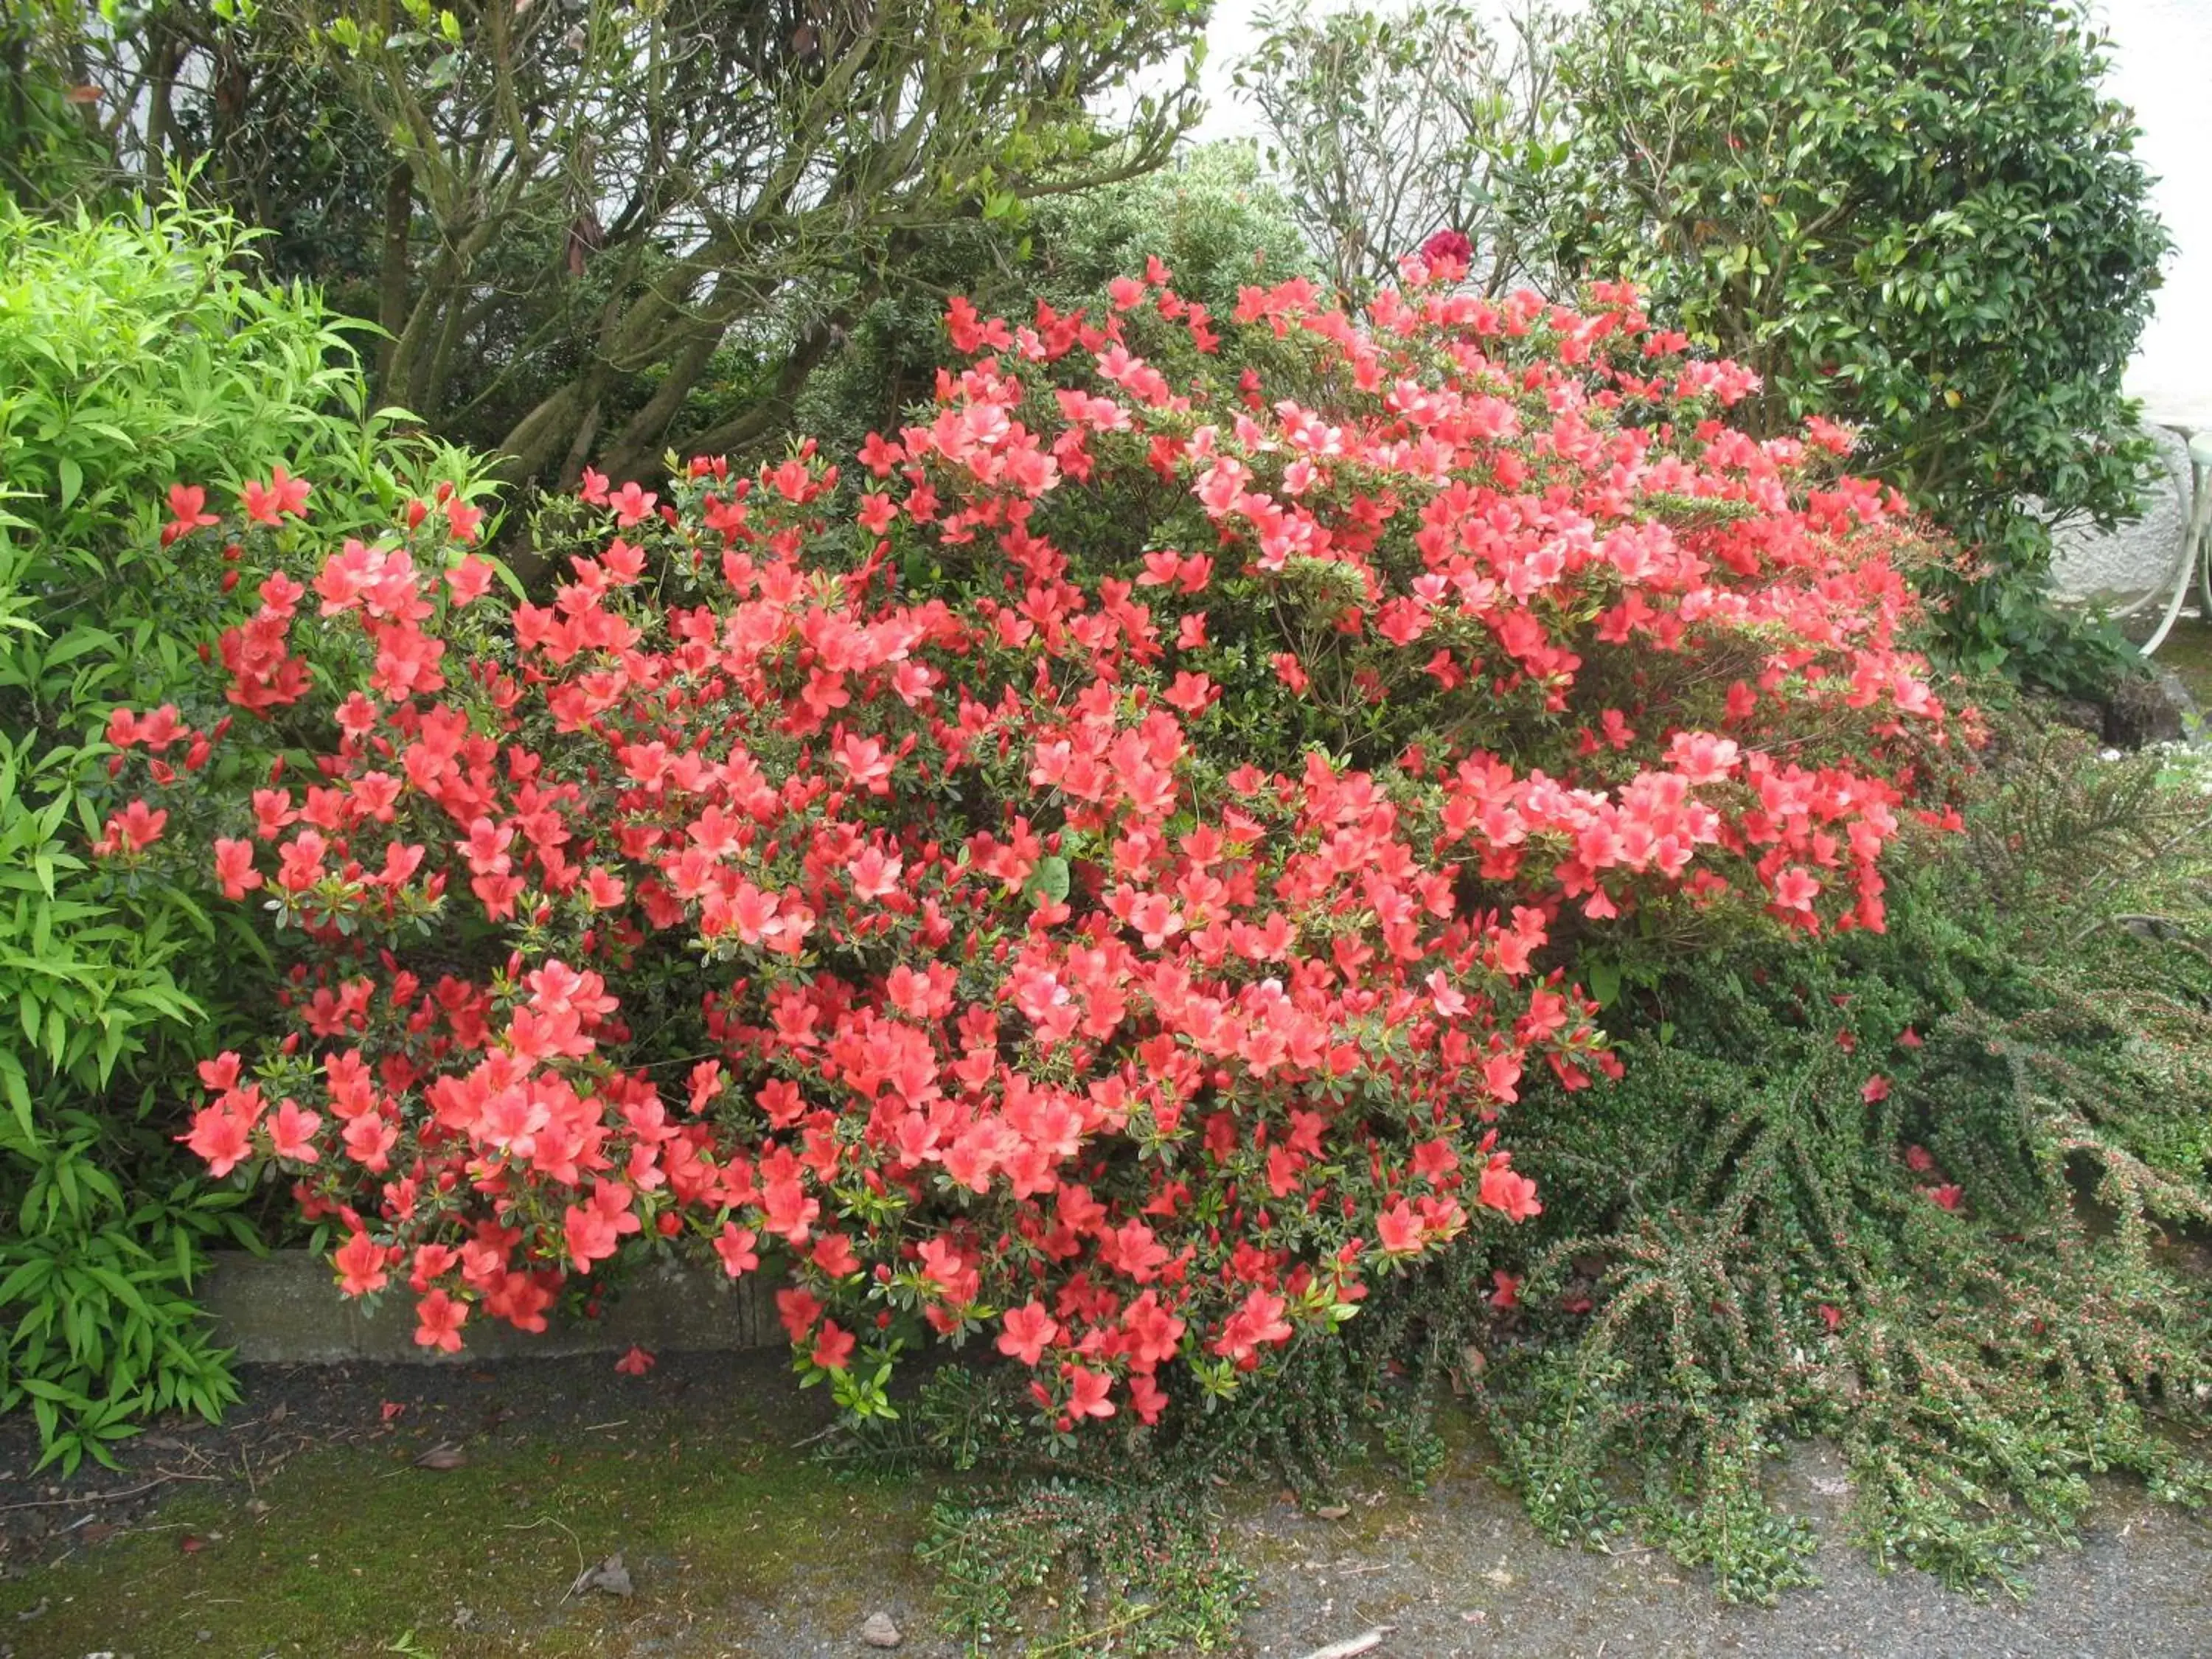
{"x":102,"y":1263}
{"x":134,"y":354}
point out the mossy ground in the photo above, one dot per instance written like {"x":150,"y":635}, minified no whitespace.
{"x":739,"y":1544}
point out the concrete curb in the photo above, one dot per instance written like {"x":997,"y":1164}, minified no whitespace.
{"x":284,"y":1309}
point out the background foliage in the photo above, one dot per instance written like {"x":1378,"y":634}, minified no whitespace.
{"x":558,"y":214}
{"x":1927,"y":219}
{"x":1212,"y":216}
{"x":1388,"y":127}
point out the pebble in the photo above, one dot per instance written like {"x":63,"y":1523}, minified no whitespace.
{"x":880,"y":1632}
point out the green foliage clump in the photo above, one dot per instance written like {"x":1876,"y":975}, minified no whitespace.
{"x":1211,"y":217}
{"x":135,"y":354}
{"x":1926,"y":218}
{"x":1119,"y":1550}
{"x":103,"y":1274}
{"x":1125,"y":1569}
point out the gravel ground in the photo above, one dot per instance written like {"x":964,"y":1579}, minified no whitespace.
{"x":1458,"y":1572}
{"x":1461,"y":1574}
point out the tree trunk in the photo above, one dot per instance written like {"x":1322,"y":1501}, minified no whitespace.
{"x":542,"y":436}
{"x":756,"y":422}
{"x":634,"y":446}
{"x":392,"y":275}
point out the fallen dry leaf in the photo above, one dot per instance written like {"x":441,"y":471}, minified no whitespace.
{"x":609,"y":1578}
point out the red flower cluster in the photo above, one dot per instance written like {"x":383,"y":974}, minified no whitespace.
{"x":884,"y":883}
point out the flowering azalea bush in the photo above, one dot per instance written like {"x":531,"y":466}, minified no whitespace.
{"x":1088,"y":878}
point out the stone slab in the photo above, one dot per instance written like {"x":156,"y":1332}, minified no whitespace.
{"x":284,"y":1309}
{"x":2119,"y":565}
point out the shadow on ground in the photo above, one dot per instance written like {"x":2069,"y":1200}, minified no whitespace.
{"x":401,"y":1509}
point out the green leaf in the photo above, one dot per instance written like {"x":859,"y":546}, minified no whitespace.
{"x":1048,"y":881}
{"x":18,"y":1088}
{"x":1603,"y":977}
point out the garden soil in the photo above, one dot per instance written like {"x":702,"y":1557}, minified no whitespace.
{"x":470,"y":1511}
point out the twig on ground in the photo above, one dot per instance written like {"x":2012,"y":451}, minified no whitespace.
{"x":103,"y":1497}
{"x":552,"y":1521}
{"x":1063,"y":1645}
{"x":1366,"y":1642}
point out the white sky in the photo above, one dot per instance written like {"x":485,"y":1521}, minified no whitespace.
{"x":2162,"y":65}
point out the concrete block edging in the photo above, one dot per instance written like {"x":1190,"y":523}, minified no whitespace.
{"x":284,"y":1309}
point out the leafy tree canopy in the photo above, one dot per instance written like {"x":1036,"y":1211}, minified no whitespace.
{"x":1387,"y":129}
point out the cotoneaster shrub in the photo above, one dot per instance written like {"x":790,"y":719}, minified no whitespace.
{"x":1091,"y":881}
